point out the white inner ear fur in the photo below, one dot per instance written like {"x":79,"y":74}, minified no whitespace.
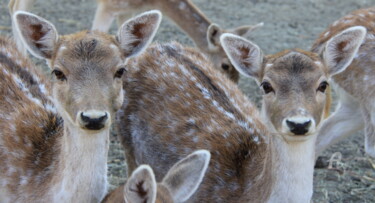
{"x":191,"y":171}
{"x":126,"y":35}
{"x":48,"y":40}
{"x":232,"y":45}
{"x":354,"y":37}
{"x":136,"y":176}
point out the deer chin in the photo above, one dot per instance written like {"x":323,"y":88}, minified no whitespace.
{"x":290,"y":137}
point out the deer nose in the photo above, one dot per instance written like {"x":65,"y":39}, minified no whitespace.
{"x":298,"y":128}
{"x":93,"y":120}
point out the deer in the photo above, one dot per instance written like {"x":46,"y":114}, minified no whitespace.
{"x":355,"y":110}
{"x":186,"y":15}
{"x":181,"y":181}
{"x":176,"y":102}
{"x":54,"y":136}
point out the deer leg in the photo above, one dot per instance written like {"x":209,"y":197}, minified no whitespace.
{"x":103,"y":19}
{"x":345,"y":121}
{"x":369,"y":117}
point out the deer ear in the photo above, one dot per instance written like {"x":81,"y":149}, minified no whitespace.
{"x":37,"y":34}
{"x":138,"y":32}
{"x":141,"y":186}
{"x":213,"y":36}
{"x":245,"y":56}
{"x":184,"y":178}
{"x":244,"y":30}
{"x":341,"y":49}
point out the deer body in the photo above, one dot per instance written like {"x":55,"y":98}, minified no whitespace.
{"x":196,"y":108}
{"x":54,"y":142}
{"x":354,"y":86}
{"x":186,"y":15}
{"x":176,"y":103}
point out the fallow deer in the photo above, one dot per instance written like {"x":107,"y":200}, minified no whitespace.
{"x":355,"y":85}
{"x":55,"y":135}
{"x":181,"y":181}
{"x":176,"y":103}
{"x":186,"y":15}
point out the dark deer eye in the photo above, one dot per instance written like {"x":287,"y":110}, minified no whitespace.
{"x":266,"y":87}
{"x":225,"y":66}
{"x":323,"y":86}
{"x":119,"y":73}
{"x":59,"y":74}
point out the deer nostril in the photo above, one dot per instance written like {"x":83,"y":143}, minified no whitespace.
{"x":298,"y":128}
{"x":95,"y":123}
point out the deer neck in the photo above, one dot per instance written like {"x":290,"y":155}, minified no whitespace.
{"x":293,"y":168}
{"x":82,"y":166}
{"x":189,"y":18}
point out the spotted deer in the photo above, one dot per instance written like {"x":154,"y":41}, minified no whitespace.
{"x":186,"y":15}
{"x":181,"y":181}
{"x":54,"y":135}
{"x":176,"y":102}
{"x":354,"y":86}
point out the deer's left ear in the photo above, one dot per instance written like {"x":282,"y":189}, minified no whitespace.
{"x":341,"y":49}
{"x":137,"y":33}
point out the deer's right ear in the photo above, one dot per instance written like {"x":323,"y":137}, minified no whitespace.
{"x":141,"y":186}
{"x":37,"y":34}
{"x":245,"y":56}
{"x":184,"y":178}
{"x":137,"y":33}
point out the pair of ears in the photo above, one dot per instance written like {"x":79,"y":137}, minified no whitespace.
{"x":40,"y":36}
{"x":182,"y":180}
{"x":338,"y":54}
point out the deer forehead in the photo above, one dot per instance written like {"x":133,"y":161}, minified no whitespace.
{"x":88,"y":48}
{"x":294,"y":67}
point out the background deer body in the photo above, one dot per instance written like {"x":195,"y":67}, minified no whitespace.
{"x":54,"y":141}
{"x":354,"y":86}
{"x":185,"y":14}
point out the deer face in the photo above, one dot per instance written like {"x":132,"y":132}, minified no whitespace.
{"x":87,"y":79}
{"x":294,"y":82}
{"x":87,"y":67}
{"x":293,"y":86}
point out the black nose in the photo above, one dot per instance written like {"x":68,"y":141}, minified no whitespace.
{"x":94,"y":123}
{"x":298,"y":128}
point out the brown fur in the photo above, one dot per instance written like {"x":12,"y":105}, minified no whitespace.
{"x":30,"y":132}
{"x":167,"y":109}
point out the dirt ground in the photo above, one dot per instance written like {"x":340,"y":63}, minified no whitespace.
{"x":288,"y":24}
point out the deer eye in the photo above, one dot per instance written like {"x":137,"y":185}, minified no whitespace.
{"x":323,"y":86}
{"x":225,"y":66}
{"x":267,"y":87}
{"x":119,"y":73}
{"x":59,"y":74}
